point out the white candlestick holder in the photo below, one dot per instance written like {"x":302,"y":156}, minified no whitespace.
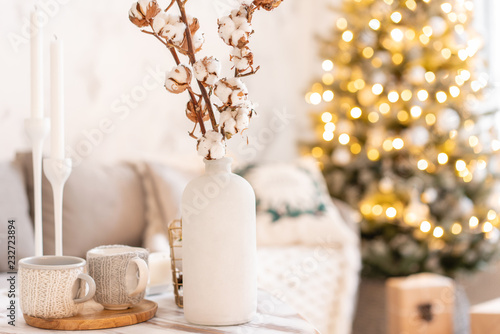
{"x":37,"y":129}
{"x":57,"y":172}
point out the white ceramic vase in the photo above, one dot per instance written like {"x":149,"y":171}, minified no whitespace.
{"x":219,"y":247}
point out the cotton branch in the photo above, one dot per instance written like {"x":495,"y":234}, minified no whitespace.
{"x":192,"y":60}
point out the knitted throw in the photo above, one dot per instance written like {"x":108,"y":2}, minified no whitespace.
{"x":49,"y":293}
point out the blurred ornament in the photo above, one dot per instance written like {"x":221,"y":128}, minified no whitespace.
{"x":375,"y":136}
{"x":379,"y":77}
{"x":344,"y":126}
{"x":417,"y":136}
{"x":341,"y":156}
{"x":466,"y":206}
{"x":438,"y":25}
{"x":366,"y":96}
{"x":447,"y":120}
{"x":429,"y":195}
{"x":384,"y":56}
{"x":386,"y":185}
{"x":416,"y":211}
{"x":415,"y":75}
{"x":368,"y":38}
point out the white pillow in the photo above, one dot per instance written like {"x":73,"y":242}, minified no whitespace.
{"x":294,"y":207}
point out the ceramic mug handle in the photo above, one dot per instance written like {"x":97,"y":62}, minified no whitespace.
{"x":91,"y":283}
{"x":143,"y":276}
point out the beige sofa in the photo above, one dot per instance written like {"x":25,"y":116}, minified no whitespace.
{"x":132,"y":203}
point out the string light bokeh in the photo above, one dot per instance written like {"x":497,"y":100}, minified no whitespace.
{"x":399,"y":136}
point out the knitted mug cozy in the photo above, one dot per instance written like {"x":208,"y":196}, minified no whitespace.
{"x":109,"y":270}
{"x":49,"y":293}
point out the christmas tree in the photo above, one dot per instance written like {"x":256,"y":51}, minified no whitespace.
{"x":399,"y":137}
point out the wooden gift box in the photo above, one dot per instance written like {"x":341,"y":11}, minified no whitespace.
{"x":485,"y":317}
{"x":420,"y":304}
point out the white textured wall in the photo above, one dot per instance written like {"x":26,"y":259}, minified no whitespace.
{"x":107,"y":60}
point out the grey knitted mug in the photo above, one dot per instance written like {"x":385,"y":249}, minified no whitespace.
{"x":120,"y":274}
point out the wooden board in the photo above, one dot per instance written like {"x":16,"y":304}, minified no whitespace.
{"x":141,"y":312}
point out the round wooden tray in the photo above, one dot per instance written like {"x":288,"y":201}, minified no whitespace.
{"x":141,"y":312}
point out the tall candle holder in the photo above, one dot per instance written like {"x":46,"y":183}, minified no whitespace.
{"x":57,"y":172}
{"x":37,"y":129}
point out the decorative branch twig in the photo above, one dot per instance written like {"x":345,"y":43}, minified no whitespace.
{"x":192,"y":60}
{"x":180,"y":35}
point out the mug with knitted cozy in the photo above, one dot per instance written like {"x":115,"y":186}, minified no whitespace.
{"x":53,"y":286}
{"x":120,"y":273}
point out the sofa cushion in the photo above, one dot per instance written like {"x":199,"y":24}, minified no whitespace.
{"x":14,"y":205}
{"x":294,"y":207}
{"x":163,"y":185}
{"x":102,"y":205}
{"x":286,"y":190}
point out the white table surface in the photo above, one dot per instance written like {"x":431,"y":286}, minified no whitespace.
{"x":273,"y":317}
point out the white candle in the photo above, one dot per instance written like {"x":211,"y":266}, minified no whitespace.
{"x":36,"y":67}
{"x":160,"y":270}
{"x":57,"y":99}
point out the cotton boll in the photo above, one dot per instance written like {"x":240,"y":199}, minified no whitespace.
{"x":170,"y":27}
{"x":200,"y":71}
{"x":203,"y":147}
{"x":246,"y":108}
{"x":239,"y":38}
{"x":143,"y":4}
{"x":243,"y":24}
{"x":159,"y":22}
{"x":226,"y":29}
{"x":268,"y":4}
{"x":242,"y":122}
{"x":211,"y":145}
{"x":222,"y":91}
{"x":217,"y":151}
{"x":231,"y":92}
{"x":227,"y":122}
{"x":178,"y":79}
{"x":148,"y":8}
{"x":198,"y":40}
{"x":175,"y":32}
{"x":235,"y":29}
{"x":447,"y":120}
{"x":243,"y":114}
{"x":135,"y":12}
{"x":242,"y":58}
{"x":241,"y":64}
{"x":238,"y":96}
{"x":236,"y":119}
{"x":193,"y":23}
{"x":140,"y":17}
